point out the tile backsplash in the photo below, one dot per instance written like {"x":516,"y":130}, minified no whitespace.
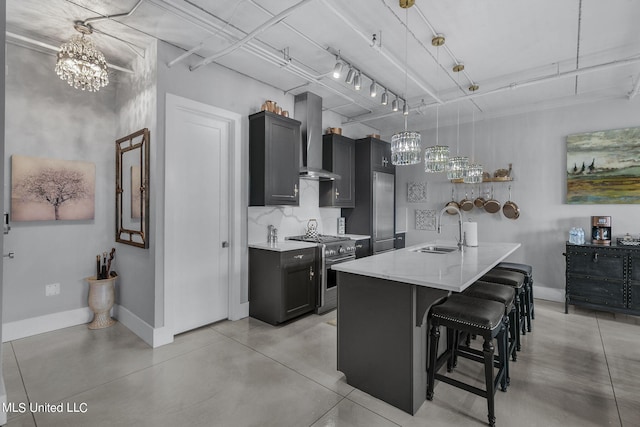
{"x":292,"y":220}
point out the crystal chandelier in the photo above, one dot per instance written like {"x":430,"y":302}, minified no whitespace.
{"x":405,"y":146}
{"x":458,"y":166}
{"x":80,"y":63}
{"x":436,"y":158}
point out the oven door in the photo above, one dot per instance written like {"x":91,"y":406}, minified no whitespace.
{"x":328,"y":290}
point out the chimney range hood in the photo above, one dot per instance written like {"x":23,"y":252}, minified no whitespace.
{"x":308,"y":110}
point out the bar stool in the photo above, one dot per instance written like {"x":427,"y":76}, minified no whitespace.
{"x":527,"y":270}
{"x":503,"y":294}
{"x":515,"y":280}
{"x":478,"y":317}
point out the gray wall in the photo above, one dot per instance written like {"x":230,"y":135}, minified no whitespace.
{"x":47,"y":118}
{"x":136,"y":109}
{"x":535,"y":143}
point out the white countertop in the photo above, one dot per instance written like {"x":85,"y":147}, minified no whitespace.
{"x":453,"y":271}
{"x":283,"y":245}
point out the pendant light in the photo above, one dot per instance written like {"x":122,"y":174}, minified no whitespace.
{"x":80,"y":63}
{"x":436,"y":157}
{"x":458,"y":165}
{"x":474,"y":173}
{"x":405,"y":146}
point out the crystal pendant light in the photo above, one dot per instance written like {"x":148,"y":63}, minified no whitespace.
{"x":405,"y":146}
{"x":79,"y":62}
{"x":474,"y":173}
{"x":436,"y":158}
{"x":459,"y":165}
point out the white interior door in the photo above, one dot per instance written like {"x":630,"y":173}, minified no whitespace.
{"x":196,"y":215}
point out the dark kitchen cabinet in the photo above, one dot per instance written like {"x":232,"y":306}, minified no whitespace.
{"x":338,"y":156}
{"x":400,"y":241}
{"x":282,"y":285}
{"x":603,"y":277}
{"x":374,"y":211}
{"x":274,"y":160}
{"x":363,"y":248}
{"x":380,"y":155}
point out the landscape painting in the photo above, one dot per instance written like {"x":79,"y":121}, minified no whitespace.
{"x":604,"y":167}
{"x":52,"y":189}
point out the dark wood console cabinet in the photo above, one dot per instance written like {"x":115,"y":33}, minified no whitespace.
{"x":603,"y":277}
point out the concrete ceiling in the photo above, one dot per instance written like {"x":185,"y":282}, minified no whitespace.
{"x":522,"y":54}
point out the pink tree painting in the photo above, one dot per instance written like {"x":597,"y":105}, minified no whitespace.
{"x":50,"y":189}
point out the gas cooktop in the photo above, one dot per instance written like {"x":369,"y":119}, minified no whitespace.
{"x":321,"y":238}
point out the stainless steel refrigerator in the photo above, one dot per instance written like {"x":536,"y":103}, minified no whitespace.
{"x":374,"y":212}
{"x":383,"y":231}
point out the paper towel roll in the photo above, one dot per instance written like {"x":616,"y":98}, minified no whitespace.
{"x":470,"y":233}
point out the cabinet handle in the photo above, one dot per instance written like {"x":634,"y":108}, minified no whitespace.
{"x":595,"y":257}
{"x":298,"y":256}
{"x":337,"y":194}
{"x":311,"y":273}
{"x":295,"y":190}
{"x":359,"y":246}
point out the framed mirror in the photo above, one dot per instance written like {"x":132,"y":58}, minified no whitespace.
{"x":132,"y":189}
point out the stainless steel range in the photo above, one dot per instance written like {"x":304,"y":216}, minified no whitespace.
{"x":333,"y":250}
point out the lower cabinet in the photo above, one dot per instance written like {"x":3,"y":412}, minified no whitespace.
{"x":282,"y":285}
{"x":400,"y":241}
{"x":603,"y":277}
{"x":363,"y":248}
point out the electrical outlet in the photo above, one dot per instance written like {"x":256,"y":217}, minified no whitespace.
{"x":52,"y":289}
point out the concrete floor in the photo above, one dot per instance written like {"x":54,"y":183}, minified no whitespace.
{"x":581,"y":369}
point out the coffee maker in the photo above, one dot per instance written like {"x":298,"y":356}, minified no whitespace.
{"x":601,"y":230}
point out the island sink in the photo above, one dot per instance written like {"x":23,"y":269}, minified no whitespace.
{"x":435,"y":249}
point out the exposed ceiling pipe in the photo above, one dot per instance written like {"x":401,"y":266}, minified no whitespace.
{"x":102,"y":18}
{"x":270,"y":23}
{"x":56,"y":49}
{"x":517,"y":85}
{"x":385,"y":55}
{"x":265,"y":55}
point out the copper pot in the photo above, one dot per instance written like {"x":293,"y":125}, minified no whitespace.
{"x":271,"y":106}
{"x":452,"y":204}
{"x":510,"y":209}
{"x":336,"y":131}
{"x":466,"y":204}
{"x":492,"y":205}
{"x":479,"y":201}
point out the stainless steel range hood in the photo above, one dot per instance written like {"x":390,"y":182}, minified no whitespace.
{"x":308,"y":110}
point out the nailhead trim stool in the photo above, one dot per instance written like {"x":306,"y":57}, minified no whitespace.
{"x":478,"y":317}
{"x":503,"y":294}
{"x":527,"y":270}
{"x":515,"y":280}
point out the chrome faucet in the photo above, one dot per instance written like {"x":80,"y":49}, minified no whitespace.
{"x":446,"y":208}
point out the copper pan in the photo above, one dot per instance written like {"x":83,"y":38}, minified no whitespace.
{"x":452,"y":204}
{"x":510,"y":209}
{"x":492,"y":205}
{"x":466,"y":204}
{"x":479,"y":201}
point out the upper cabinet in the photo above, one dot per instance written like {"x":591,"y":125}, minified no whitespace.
{"x":274,"y":160}
{"x":338,"y":156}
{"x":380,"y":155}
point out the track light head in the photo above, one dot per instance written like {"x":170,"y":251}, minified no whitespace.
{"x":405,"y":109}
{"x":357,"y":82}
{"x":350,"y":75}
{"x":394,"y":104}
{"x":372,"y":89}
{"x":337,"y":70}
{"x":384,"y":99}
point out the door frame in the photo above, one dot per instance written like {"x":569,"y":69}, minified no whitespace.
{"x":237,"y":309}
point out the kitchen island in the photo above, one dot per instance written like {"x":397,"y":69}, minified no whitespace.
{"x":383,"y":302}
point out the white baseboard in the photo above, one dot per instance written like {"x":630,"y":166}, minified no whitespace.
{"x":47,"y":323}
{"x":240,"y":312}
